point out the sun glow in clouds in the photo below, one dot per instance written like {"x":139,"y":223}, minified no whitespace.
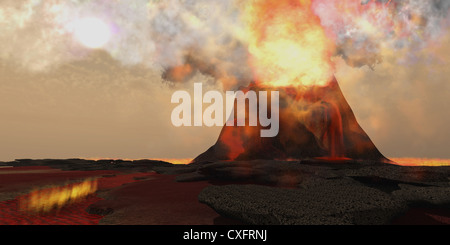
{"x":91,"y":32}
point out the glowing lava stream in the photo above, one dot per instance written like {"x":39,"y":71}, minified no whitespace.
{"x":51,"y":199}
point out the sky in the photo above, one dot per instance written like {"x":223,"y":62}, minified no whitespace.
{"x":63,"y":95}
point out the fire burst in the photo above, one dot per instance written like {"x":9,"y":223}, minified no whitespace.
{"x":51,"y":199}
{"x":289,"y":47}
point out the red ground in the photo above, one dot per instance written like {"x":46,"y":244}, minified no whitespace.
{"x":18,"y":178}
{"x":74,"y":214}
{"x":153,"y":199}
{"x":160,"y":201}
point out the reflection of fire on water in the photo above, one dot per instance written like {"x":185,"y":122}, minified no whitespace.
{"x":51,"y":199}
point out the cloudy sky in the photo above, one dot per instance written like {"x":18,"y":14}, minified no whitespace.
{"x":64,"y":94}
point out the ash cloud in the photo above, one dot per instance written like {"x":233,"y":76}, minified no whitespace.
{"x":201,"y":34}
{"x":208,"y":35}
{"x":369,"y":28}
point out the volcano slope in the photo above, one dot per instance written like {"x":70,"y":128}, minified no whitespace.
{"x":314,"y":122}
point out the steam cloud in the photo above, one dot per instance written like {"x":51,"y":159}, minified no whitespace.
{"x":206,"y":35}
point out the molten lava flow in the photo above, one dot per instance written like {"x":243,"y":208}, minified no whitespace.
{"x":315,"y":122}
{"x":287,"y":44}
{"x":232,"y":138}
{"x":50,"y":199}
{"x":334,"y":136}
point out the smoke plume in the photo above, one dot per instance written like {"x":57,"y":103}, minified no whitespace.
{"x":180,"y":37}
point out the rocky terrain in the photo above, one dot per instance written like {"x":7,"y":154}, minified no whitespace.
{"x":316,"y":193}
{"x":268,"y":192}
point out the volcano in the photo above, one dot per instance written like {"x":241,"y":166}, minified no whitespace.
{"x":315,"y":123}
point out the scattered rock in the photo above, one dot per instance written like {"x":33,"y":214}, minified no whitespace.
{"x":331,"y":203}
{"x":361,"y":194}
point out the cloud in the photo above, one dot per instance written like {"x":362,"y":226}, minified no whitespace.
{"x":209,"y":35}
{"x":37,"y":35}
{"x":364,"y":30}
{"x":402,"y":107}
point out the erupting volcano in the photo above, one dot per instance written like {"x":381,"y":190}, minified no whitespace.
{"x":315,"y":122}
{"x":290,"y":51}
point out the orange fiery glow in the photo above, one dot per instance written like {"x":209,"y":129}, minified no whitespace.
{"x":51,"y":199}
{"x":176,"y":160}
{"x":421,"y":161}
{"x":287,"y":44}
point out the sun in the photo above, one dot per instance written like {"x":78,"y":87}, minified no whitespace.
{"x":92,"y":32}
